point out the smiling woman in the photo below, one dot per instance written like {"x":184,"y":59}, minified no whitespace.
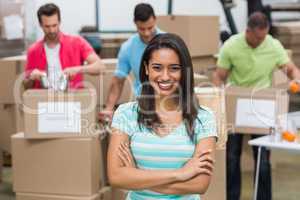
{"x":162,"y":146}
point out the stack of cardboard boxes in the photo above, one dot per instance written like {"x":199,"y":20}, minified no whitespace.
{"x":288,"y":33}
{"x":10,"y":99}
{"x":201,"y":35}
{"x":59,"y":155}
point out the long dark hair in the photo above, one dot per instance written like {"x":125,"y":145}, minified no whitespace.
{"x":187,"y":101}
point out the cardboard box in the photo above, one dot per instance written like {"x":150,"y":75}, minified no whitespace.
{"x":1,"y":164}
{"x":254,"y":111}
{"x":68,"y":166}
{"x":105,"y":193}
{"x":200,"y":33}
{"x":11,"y":86}
{"x":119,"y":194}
{"x":204,"y":65}
{"x":49,"y":114}
{"x":35,"y":196}
{"x":214,"y":98}
{"x":103,"y":81}
{"x":200,"y":80}
{"x":11,"y":122}
{"x":287,"y":32}
{"x":217,"y":187}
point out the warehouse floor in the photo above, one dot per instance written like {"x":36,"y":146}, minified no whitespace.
{"x":286,"y":179}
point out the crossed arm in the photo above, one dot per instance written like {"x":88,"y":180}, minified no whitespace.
{"x":192,"y":178}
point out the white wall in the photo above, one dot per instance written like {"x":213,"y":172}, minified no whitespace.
{"x":123,"y":11}
{"x":74,"y":13}
{"x":118,"y":14}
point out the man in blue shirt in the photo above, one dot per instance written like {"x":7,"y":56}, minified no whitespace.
{"x":129,"y":57}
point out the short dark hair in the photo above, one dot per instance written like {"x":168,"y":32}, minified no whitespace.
{"x":143,"y":11}
{"x":258,"y":20}
{"x":188,"y":103}
{"x":48,"y":9}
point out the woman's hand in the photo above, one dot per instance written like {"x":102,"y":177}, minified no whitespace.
{"x":201,"y":163}
{"x":125,"y":155}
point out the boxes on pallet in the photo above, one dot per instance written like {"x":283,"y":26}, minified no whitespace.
{"x":11,"y":87}
{"x":11,"y":122}
{"x":103,"y":81}
{"x":66,"y":166}
{"x":49,"y":114}
{"x":253,"y":110}
{"x":200,"y":41}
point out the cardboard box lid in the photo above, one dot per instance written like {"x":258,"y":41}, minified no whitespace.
{"x":200,"y":33}
{"x":251,"y":110}
{"x":69,"y":166}
{"x":214,"y":99}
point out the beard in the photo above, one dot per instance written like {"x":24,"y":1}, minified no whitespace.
{"x":52,"y":36}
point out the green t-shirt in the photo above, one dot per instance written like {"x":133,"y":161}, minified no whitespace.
{"x":250,"y":67}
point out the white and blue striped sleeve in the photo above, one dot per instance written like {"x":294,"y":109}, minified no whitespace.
{"x":206,"y":124}
{"x":124,"y":119}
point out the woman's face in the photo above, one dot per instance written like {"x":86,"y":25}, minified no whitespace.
{"x":164,"y":72}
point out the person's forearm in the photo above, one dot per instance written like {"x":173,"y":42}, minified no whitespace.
{"x":93,"y":69}
{"x":217,"y":80}
{"x":294,"y":74}
{"x":138,"y":179}
{"x":196,"y":185}
{"x":28,"y":83}
{"x":115,"y":93}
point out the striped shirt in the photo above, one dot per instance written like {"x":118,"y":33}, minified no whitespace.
{"x":153,"y":152}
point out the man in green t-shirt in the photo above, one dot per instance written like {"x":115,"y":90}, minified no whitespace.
{"x":248,"y":59}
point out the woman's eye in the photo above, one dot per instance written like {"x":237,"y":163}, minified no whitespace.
{"x":156,"y":67}
{"x":174,"y":68}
